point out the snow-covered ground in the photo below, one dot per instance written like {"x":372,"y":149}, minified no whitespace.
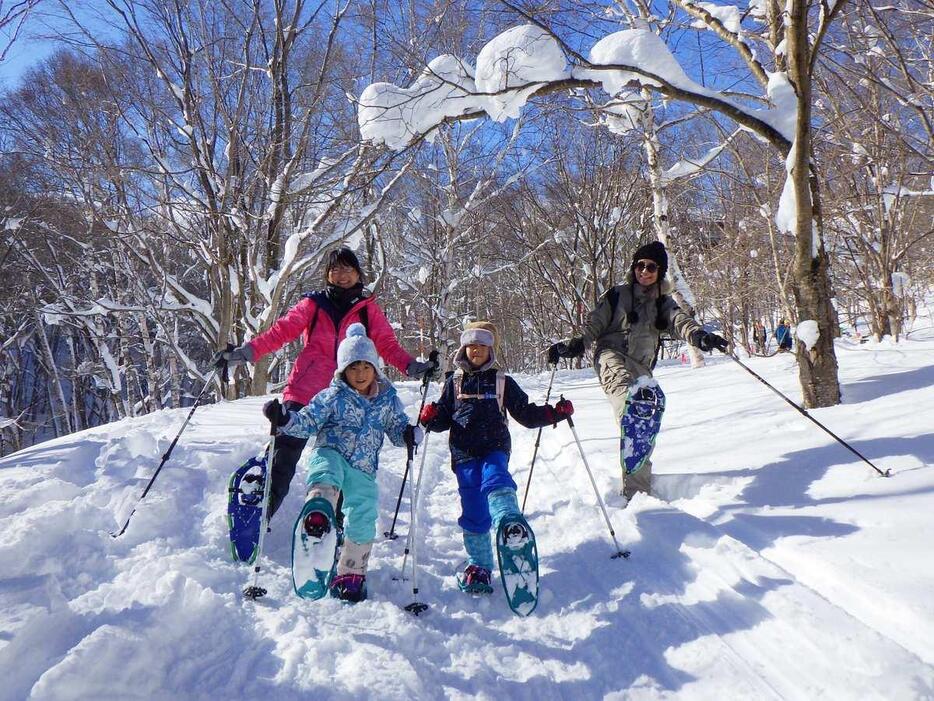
{"x":774,"y":565}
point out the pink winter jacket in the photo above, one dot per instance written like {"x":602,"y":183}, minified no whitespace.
{"x":316,"y":363}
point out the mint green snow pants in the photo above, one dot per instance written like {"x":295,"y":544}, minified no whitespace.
{"x":361,"y":495}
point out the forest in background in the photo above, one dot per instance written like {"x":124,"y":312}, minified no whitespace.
{"x":173,"y":174}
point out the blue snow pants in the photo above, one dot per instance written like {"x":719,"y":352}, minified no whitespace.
{"x":475,"y":480}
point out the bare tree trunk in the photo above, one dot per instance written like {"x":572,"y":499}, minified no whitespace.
{"x":152,"y":375}
{"x":55,"y":382}
{"x":660,"y":217}
{"x":817,"y":367}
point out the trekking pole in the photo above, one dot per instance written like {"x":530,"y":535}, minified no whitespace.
{"x":803,"y":411}
{"x":412,"y":500}
{"x":619,"y":551}
{"x":538,"y":439}
{"x":391,"y":533}
{"x":254,"y":591}
{"x":415,"y":607}
{"x":169,"y":451}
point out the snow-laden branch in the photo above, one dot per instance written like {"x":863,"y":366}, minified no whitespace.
{"x":686,"y":167}
{"x":529,"y":59}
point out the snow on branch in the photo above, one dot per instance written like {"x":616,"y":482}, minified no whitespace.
{"x":686,"y":167}
{"x":529,"y":59}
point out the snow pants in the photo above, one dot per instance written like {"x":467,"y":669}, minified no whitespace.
{"x":615,"y":377}
{"x":487,"y":494}
{"x":361,"y":495}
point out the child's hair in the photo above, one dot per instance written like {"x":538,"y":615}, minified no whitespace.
{"x":344,"y":371}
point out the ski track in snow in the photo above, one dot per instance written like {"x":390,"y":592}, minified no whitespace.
{"x":777,"y":567}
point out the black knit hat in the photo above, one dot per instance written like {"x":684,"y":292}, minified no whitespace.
{"x":342,"y":256}
{"x":652,"y":251}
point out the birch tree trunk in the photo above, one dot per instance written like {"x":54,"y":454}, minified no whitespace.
{"x":817,"y":366}
{"x":55,"y":384}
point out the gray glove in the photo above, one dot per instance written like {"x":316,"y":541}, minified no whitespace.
{"x":232,"y":358}
{"x":416,"y":369}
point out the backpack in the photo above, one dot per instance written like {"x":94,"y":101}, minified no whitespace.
{"x":500,"y":394}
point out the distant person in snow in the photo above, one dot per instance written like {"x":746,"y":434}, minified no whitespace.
{"x":321,"y":319}
{"x":783,"y":336}
{"x":625,"y":329}
{"x":760,"y":338}
{"x":473,"y":406}
{"x":348,"y":420}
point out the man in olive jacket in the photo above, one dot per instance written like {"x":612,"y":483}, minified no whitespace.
{"x":625,"y":329}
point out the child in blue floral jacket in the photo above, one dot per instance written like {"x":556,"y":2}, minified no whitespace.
{"x":348,"y":419}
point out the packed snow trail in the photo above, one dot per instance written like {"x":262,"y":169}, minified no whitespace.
{"x":777,"y":567}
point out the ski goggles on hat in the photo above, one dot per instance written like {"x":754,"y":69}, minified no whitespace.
{"x":481,"y":337}
{"x":647,"y":266}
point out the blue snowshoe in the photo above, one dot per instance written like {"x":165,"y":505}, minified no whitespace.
{"x":640,"y":424}
{"x":245,"y":500}
{"x":314,"y":549}
{"x":518,"y":563}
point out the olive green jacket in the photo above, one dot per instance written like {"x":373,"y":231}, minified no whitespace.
{"x":609,"y":327}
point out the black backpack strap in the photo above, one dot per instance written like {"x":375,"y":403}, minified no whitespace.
{"x":365,"y":318}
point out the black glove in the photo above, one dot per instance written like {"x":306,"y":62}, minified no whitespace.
{"x":276,"y":413}
{"x":709,"y":341}
{"x":569,"y":348}
{"x":413,"y":435}
{"x":418,"y":370}
{"x":232,"y":358}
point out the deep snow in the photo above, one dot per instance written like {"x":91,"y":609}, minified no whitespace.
{"x":773,"y":565}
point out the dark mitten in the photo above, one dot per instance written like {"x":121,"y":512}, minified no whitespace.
{"x":569,"y":348}
{"x":413,"y":435}
{"x":276,"y":412}
{"x":709,"y":341}
{"x":234,"y":357}
{"x":418,"y":369}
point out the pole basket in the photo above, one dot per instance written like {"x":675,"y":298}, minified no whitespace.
{"x":390,"y":535}
{"x":415,"y":608}
{"x":622,"y":553}
{"x":253,"y":593}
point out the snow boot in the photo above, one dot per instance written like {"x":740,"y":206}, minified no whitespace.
{"x":475,"y":580}
{"x":349,"y":587}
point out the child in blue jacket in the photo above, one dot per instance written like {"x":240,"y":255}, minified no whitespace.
{"x":348,"y":419}
{"x":473,"y":406}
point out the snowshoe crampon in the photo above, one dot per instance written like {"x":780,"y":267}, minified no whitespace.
{"x":314,"y":549}
{"x":518,"y":563}
{"x":641,"y":421}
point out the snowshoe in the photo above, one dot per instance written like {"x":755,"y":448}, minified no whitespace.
{"x":518,"y":563}
{"x":314,"y":549}
{"x":245,"y":500}
{"x":640,"y":424}
{"x":475,"y":580}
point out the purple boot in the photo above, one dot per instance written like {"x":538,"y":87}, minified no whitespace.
{"x":349,"y":587}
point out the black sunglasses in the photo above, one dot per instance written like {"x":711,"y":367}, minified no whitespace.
{"x":647,"y":266}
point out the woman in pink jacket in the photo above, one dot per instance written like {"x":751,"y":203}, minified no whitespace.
{"x":321,"y":319}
